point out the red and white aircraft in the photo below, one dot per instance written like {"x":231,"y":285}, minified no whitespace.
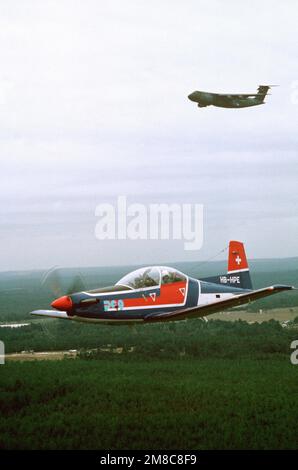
{"x":159,"y":293}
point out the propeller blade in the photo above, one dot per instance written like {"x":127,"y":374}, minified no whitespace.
{"x":77,"y":285}
{"x":57,"y":282}
{"x":51,"y":280}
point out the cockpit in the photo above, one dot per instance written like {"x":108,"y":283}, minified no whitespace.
{"x":152,"y":276}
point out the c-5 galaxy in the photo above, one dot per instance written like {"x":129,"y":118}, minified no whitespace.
{"x":225,"y":100}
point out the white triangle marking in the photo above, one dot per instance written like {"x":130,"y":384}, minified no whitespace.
{"x":182,"y":290}
{"x":153,"y":296}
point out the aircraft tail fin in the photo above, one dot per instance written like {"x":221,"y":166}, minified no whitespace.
{"x":238,"y":271}
{"x":238,"y":265}
{"x":262,"y":91}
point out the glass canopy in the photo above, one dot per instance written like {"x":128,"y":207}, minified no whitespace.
{"x":150,"y":277}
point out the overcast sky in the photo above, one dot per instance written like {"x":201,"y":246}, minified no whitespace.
{"x":93,"y":104}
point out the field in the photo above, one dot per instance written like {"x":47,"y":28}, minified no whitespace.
{"x":224,"y":384}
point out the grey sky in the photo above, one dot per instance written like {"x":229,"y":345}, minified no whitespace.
{"x":93,"y":104}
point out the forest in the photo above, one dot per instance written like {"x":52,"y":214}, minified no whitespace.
{"x":190,"y":385}
{"x":185,"y":385}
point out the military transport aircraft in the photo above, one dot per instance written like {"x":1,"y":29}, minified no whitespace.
{"x":159,"y":293}
{"x":230,"y":100}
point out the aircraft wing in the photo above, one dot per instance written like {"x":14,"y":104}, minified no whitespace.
{"x":203,"y":310}
{"x":50,"y":314}
{"x":230,"y":95}
{"x":237,"y":96}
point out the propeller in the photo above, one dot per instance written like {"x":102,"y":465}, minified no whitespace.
{"x":53,"y":281}
{"x":77,"y":285}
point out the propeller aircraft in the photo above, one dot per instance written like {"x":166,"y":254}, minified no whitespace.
{"x":159,"y":294}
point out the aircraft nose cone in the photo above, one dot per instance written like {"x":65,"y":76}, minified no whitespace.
{"x":191,"y":96}
{"x":63,"y":303}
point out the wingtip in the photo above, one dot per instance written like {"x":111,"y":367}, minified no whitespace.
{"x":282,"y":287}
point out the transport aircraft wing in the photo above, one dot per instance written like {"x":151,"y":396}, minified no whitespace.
{"x":203,"y":310}
{"x":234,"y":95}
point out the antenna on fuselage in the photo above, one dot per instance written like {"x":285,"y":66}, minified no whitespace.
{"x":213,"y":257}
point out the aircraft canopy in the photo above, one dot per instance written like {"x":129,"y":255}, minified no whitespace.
{"x":151,"y":276}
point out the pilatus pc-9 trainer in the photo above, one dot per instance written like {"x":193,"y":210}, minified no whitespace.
{"x":159,"y":294}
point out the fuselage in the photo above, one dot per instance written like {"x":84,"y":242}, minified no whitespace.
{"x":225,"y":101}
{"x":135,"y":296}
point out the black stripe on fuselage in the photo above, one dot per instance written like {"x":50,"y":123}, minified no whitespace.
{"x":211,"y":288}
{"x":239,"y":279}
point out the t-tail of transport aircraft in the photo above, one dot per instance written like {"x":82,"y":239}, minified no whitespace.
{"x":159,"y":294}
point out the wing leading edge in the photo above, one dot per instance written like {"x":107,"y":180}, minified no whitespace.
{"x":203,"y":310}
{"x":50,"y":314}
{"x":238,"y":96}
